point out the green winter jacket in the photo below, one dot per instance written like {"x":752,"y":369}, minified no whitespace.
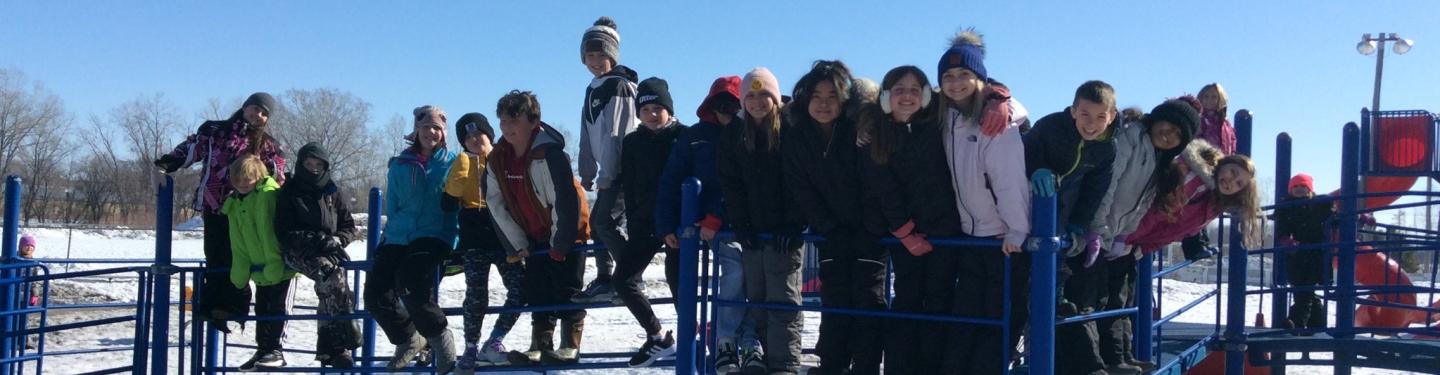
{"x":252,"y":236}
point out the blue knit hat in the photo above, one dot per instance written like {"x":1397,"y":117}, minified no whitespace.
{"x":967,"y":50}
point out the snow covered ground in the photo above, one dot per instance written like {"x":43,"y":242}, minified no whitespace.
{"x":607,"y":330}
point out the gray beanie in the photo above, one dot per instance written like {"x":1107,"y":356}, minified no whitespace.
{"x":602,"y":37}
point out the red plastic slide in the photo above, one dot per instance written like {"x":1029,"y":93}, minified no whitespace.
{"x":1375,"y":269}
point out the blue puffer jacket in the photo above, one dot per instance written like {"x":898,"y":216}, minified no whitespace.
{"x":412,"y":199}
{"x":694,"y":153}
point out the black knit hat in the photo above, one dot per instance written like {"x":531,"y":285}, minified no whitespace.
{"x":473,"y":122}
{"x":655,"y":90}
{"x":1177,"y":112}
{"x":262,"y":99}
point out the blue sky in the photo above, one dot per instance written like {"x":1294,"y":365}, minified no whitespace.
{"x":1292,"y":63}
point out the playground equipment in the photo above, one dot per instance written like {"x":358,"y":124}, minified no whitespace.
{"x":1379,"y":306}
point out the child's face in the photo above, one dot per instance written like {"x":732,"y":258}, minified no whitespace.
{"x":1164,"y":135}
{"x":1210,"y":100}
{"x":1300,"y":191}
{"x":759,"y":103}
{"x":244,"y":185}
{"x":654,"y":116}
{"x":27,"y":251}
{"x":597,"y":63}
{"x":315,"y":166}
{"x":428,"y":135}
{"x":478,"y":143}
{"x":905,"y":97}
{"x":825,"y":103}
{"x":1091,"y":118}
{"x":1232,"y":179}
{"x":256,"y":115}
{"x":517,"y":129}
{"x":958,"y":84}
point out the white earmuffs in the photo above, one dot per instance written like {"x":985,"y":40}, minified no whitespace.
{"x":925,"y":94}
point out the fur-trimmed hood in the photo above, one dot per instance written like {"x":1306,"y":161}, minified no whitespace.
{"x":1200,"y":157}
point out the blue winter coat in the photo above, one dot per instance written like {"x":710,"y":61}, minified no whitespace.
{"x":694,"y":153}
{"x":412,"y":199}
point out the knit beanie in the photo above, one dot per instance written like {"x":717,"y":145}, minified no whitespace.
{"x":262,"y":99}
{"x":655,"y":90}
{"x":967,"y":50}
{"x":27,"y":240}
{"x":473,"y":122}
{"x":1302,"y":179}
{"x":1179,"y":113}
{"x":760,"y":79}
{"x":602,"y":37}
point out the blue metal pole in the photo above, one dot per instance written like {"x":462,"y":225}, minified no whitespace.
{"x":164,"y":201}
{"x":1043,"y":243}
{"x":1144,"y":326}
{"x":689,"y":257}
{"x":1244,"y":121}
{"x":1280,"y":300}
{"x":1345,"y":275}
{"x":372,"y":242}
{"x":11,"y":238}
{"x":1234,"y":343}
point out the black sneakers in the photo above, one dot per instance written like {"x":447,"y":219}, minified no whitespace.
{"x":264,"y":359}
{"x":654,"y":350}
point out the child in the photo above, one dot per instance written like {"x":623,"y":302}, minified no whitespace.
{"x":27,"y":251}
{"x":823,"y":177}
{"x":1304,"y":224}
{"x":539,"y":203}
{"x":644,"y":160}
{"x":313,"y":223}
{"x":217,"y":144}
{"x":251,"y":212}
{"x":418,"y":236}
{"x":751,"y":177}
{"x":608,"y":116}
{"x":985,"y":153}
{"x":1214,"y":128}
{"x":480,"y":246}
{"x":1142,"y":149}
{"x":905,"y":171}
{"x":1206,"y":185}
{"x":697,"y":156}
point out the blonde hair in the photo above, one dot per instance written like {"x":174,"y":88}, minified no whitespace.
{"x":770,"y":124}
{"x":972,"y":110}
{"x":1243,"y":205}
{"x":248,"y":167}
{"x":1224,"y":99}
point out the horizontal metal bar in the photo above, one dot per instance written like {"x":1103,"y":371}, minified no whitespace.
{"x":1098,"y":315}
{"x":855,"y":312}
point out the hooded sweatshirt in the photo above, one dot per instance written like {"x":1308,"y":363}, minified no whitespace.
{"x":252,"y":236}
{"x":540,"y":203}
{"x":609,"y":115}
{"x":695,"y":154}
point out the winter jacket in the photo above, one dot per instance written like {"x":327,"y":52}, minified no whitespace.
{"x":987,"y":175}
{"x":1132,"y":186}
{"x":696,"y":153}
{"x":252,"y":236}
{"x":412,"y":199}
{"x":1216,"y":129}
{"x":914,"y":184}
{"x":753,"y":182}
{"x":823,"y":176}
{"x":1082,"y":168}
{"x":1305,"y":222}
{"x":609,"y":115}
{"x":642,"y":164}
{"x":1159,"y":228}
{"x":217,"y":144}
{"x":306,"y":217}
{"x":552,"y":186}
{"x":463,"y":183}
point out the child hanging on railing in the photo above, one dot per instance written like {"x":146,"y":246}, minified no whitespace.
{"x":1144,"y":149}
{"x":480,"y":246}
{"x":1205,"y":185}
{"x":536,"y":201}
{"x":313,"y":223}
{"x":251,"y":213}
{"x":1304,"y":224}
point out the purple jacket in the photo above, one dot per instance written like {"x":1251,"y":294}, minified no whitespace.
{"x":217,"y":144}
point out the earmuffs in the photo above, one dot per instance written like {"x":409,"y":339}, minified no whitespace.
{"x":925,"y":94}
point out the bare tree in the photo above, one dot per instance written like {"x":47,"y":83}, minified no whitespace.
{"x":126,"y":142}
{"x":42,"y":164}
{"x":217,"y":109}
{"x":25,"y":108}
{"x":336,"y":120}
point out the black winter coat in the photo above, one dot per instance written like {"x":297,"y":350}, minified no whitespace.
{"x":1305,"y":222}
{"x":914,"y":184}
{"x":306,"y":217}
{"x":1056,"y":145}
{"x":823,"y":177}
{"x":753,"y":184}
{"x":642,"y":163}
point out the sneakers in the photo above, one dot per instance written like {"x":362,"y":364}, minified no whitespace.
{"x":654,"y":350}
{"x":727,"y":361}
{"x":597,"y":292}
{"x":442,"y":349}
{"x":753,"y":362}
{"x":494,"y":354}
{"x":341,"y":360}
{"x":264,"y":359}
{"x":406,"y":352}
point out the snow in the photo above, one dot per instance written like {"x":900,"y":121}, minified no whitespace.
{"x":607,"y":330}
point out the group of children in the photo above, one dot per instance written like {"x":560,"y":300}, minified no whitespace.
{"x":838,"y":157}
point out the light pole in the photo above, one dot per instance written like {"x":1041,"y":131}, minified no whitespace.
{"x":1370,"y":45}
{"x":69,"y":228}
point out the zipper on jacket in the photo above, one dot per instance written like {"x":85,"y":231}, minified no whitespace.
{"x":1079,"y":154}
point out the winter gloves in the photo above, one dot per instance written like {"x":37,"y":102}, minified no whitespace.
{"x":1042,"y":183}
{"x":997,"y":111}
{"x":915,"y":243}
{"x":1117,"y":248}
{"x":1083,"y":241}
{"x":169,"y":163}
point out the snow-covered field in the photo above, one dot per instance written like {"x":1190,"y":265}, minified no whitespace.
{"x":607,"y":330}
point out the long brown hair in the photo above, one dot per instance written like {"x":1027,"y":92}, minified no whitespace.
{"x":1243,"y":205}
{"x":256,"y":136}
{"x":874,"y":120}
{"x":770,"y":126}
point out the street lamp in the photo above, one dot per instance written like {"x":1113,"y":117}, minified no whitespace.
{"x":1370,"y":45}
